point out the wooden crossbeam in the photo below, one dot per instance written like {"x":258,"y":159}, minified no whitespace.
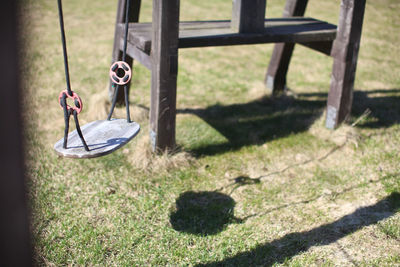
{"x":219,"y":33}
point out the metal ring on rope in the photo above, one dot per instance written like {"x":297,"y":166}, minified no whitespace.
{"x":77,"y":101}
{"x":120,"y":73}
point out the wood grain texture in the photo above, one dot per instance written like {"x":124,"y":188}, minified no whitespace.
{"x":219,"y":33}
{"x":164,"y":56}
{"x":345,"y":53}
{"x":248,"y":16}
{"x":138,"y":55}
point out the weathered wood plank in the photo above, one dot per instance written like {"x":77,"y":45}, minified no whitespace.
{"x":345,"y":53}
{"x":219,"y":33}
{"x":138,"y":54}
{"x":164,"y":55}
{"x":211,"y":24}
{"x":275,"y":78}
{"x":248,"y":15}
{"x":274,"y":34}
{"x":118,"y":35}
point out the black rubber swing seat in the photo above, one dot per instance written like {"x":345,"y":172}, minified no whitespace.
{"x":102,"y":137}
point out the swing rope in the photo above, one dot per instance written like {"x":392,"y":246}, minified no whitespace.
{"x":103,"y":136}
{"x":126,"y":93}
{"x":68,"y":110}
{"x":126,"y":30}
{"x":63,"y":41}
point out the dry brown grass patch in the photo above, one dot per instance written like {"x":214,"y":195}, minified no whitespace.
{"x":344,"y":133}
{"x":143,"y":158}
{"x":140,"y":154}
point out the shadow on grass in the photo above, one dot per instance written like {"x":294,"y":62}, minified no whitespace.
{"x":262,"y":120}
{"x":306,"y":201}
{"x":384,"y":105}
{"x":203,"y":213}
{"x":286,"y":247}
{"x":258,"y":121}
{"x":209,"y":212}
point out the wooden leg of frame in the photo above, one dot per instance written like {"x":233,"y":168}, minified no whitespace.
{"x":275,"y":79}
{"x":164,"y":74}
{"x":340,"y":95}
{"x":345,"y":53}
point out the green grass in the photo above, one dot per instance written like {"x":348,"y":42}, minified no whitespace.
{"x":257,"y":181}
{"x":391,"y":228}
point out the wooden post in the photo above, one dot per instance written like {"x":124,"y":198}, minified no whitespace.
{"x":345,"y":54}
{"x":164,"y":55}
{"x":248,"y":16}
{"x":275,"y":79}
{"x":15,"y":249}
{"x":117,"y":53}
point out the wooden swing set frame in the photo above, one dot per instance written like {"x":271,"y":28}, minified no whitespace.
{"x":155,"y":45}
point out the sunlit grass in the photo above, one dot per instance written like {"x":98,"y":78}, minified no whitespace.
{"x":256,"y":181}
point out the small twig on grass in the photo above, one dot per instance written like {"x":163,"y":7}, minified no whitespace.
{"x":330,"y":194}
{"x":245,"y":180}
{"x":321,"y":158}
{"x":362,"y":117}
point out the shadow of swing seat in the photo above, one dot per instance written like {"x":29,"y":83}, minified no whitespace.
{"x":155,"y":45}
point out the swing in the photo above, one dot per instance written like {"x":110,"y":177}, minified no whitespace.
{"x":99,"y":137}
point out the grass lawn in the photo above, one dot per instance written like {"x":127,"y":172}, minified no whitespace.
{"x":257,"y":181}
